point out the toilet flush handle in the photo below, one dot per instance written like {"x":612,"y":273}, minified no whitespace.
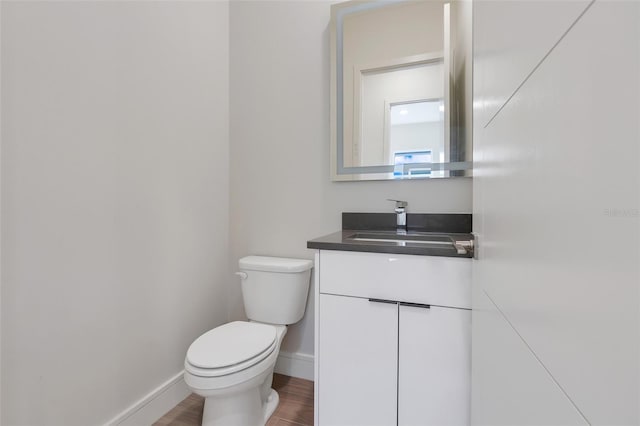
{"x":242,"y":275}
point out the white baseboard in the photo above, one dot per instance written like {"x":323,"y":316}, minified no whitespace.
{"x":295,"y":365}
{"x":154,"y":405}
{"x":169,"y":394}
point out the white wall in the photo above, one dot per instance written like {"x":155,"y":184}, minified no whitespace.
{"x":281,"y":195}
{"x":556,"y":319}
{"x":115,"y":200}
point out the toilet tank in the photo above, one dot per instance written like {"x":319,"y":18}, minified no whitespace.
{"x":275,"y":289}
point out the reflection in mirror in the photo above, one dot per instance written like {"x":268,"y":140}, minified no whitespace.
{"x":416,"y":135}
{"x":396,"y":112}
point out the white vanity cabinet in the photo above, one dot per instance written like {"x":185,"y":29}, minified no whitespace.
{"x":392,"y":339}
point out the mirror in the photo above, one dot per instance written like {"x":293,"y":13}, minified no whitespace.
{"x":400,"y":89}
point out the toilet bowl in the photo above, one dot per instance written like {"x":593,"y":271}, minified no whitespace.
{"x":232,"y":365}
{"x":236,"y":380}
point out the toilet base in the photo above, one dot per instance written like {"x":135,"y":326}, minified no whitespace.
{"x":271,"y":404}
{"x":242,"y":409}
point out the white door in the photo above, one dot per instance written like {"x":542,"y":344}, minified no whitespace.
{"x":434,"y":366}
{"x":556,"y":194}
{"x":357,"y":365}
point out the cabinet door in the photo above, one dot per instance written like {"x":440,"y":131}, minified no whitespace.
{"x":357,"y":365}
{"x":434,"y":368}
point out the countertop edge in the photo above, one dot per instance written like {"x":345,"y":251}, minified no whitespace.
{"x":335,"y":242}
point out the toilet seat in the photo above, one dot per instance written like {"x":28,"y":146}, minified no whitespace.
{"x":230,"y":348}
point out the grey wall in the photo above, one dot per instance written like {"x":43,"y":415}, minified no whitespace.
{"x":281,"y":194}
{"x":115,"y":200}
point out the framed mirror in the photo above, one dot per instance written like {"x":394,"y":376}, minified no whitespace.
{"x":400,"y":85}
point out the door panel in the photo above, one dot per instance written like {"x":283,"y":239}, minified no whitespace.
{"x":556,"y":202}
{"x":510,"y":386}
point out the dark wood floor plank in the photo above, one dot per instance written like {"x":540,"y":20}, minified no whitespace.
{"x":294,"y":411}
{"x":283,"y":422}
{"x":187,"y":413}
{"x":295,"y":408}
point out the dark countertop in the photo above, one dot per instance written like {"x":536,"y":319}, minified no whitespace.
{"x":340,"y":241}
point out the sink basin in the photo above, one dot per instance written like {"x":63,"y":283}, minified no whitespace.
{"x":406,"y":238}
{"x":409,"y":239}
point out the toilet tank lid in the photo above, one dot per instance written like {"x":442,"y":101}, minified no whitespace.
{"x":275,"y":264}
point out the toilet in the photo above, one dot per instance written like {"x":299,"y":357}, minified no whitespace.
{"x":232,"y":365}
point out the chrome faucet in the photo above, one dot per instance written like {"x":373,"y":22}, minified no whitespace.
{"x":401,"y":216}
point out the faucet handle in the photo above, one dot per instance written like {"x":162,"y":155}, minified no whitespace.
{"x":399,"y":203}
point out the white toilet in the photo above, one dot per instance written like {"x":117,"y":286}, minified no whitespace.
{"x":232,"y":365}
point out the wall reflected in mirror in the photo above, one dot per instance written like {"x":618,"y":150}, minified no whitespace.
{"x":416,"y":136}
{"x":397,"y":101}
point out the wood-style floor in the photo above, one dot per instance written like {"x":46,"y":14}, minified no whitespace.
{"x":295,"y":408}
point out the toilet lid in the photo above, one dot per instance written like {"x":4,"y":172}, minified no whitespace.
{"x":231,"y":344}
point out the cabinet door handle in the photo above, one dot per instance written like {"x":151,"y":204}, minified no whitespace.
{"x":391,"y":302}
{"x":415,"y":305}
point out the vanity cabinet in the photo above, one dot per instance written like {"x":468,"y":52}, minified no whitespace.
{"x":392,"y":339}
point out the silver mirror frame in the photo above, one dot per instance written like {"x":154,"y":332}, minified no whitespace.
{"x":338,"y":171}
